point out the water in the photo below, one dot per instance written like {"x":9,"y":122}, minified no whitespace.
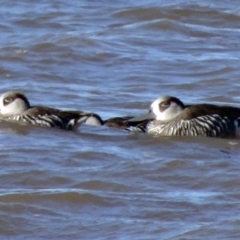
{"x":115,"y":58}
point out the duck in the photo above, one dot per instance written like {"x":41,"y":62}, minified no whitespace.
{"x":15,"y":107}
{"x":169,"y":116}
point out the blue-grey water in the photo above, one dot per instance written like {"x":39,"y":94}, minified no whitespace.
{"x":114,"y":58}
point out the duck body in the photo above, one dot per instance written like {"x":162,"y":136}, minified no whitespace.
{"x":170,"y":117}
{"x":15,"y":107}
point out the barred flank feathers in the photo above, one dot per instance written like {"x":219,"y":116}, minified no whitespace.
{"x":208,"y":125}
{"x":40,"y":120}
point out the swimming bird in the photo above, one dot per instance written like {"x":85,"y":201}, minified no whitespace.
{"x":15,"y":107}
{"x":169,"y":116}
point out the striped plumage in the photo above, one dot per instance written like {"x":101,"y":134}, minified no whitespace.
{"x":14,"y":106}
{"x":168,"y":116}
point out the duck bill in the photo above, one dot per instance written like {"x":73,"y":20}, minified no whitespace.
{"x":147,"y":116}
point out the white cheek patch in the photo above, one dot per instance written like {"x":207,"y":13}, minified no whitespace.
{"x":18,"y":106}
{"x":155,"y":108}
{"x":1,"y":104}
{"x":171,"y":112}
{"x":7,"y":109}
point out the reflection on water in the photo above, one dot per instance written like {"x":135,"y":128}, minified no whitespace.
{"x":115,"y":59}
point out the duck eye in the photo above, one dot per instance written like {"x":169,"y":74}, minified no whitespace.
{"x":164,"y":105}
{"x":7,"y":100}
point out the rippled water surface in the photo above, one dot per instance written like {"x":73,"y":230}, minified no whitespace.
{"x":114,"y":58}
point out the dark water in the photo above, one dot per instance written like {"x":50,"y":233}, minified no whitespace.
{"x":115,"y":58}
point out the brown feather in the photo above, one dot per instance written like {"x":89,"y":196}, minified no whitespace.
{"x":197,"y":110}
